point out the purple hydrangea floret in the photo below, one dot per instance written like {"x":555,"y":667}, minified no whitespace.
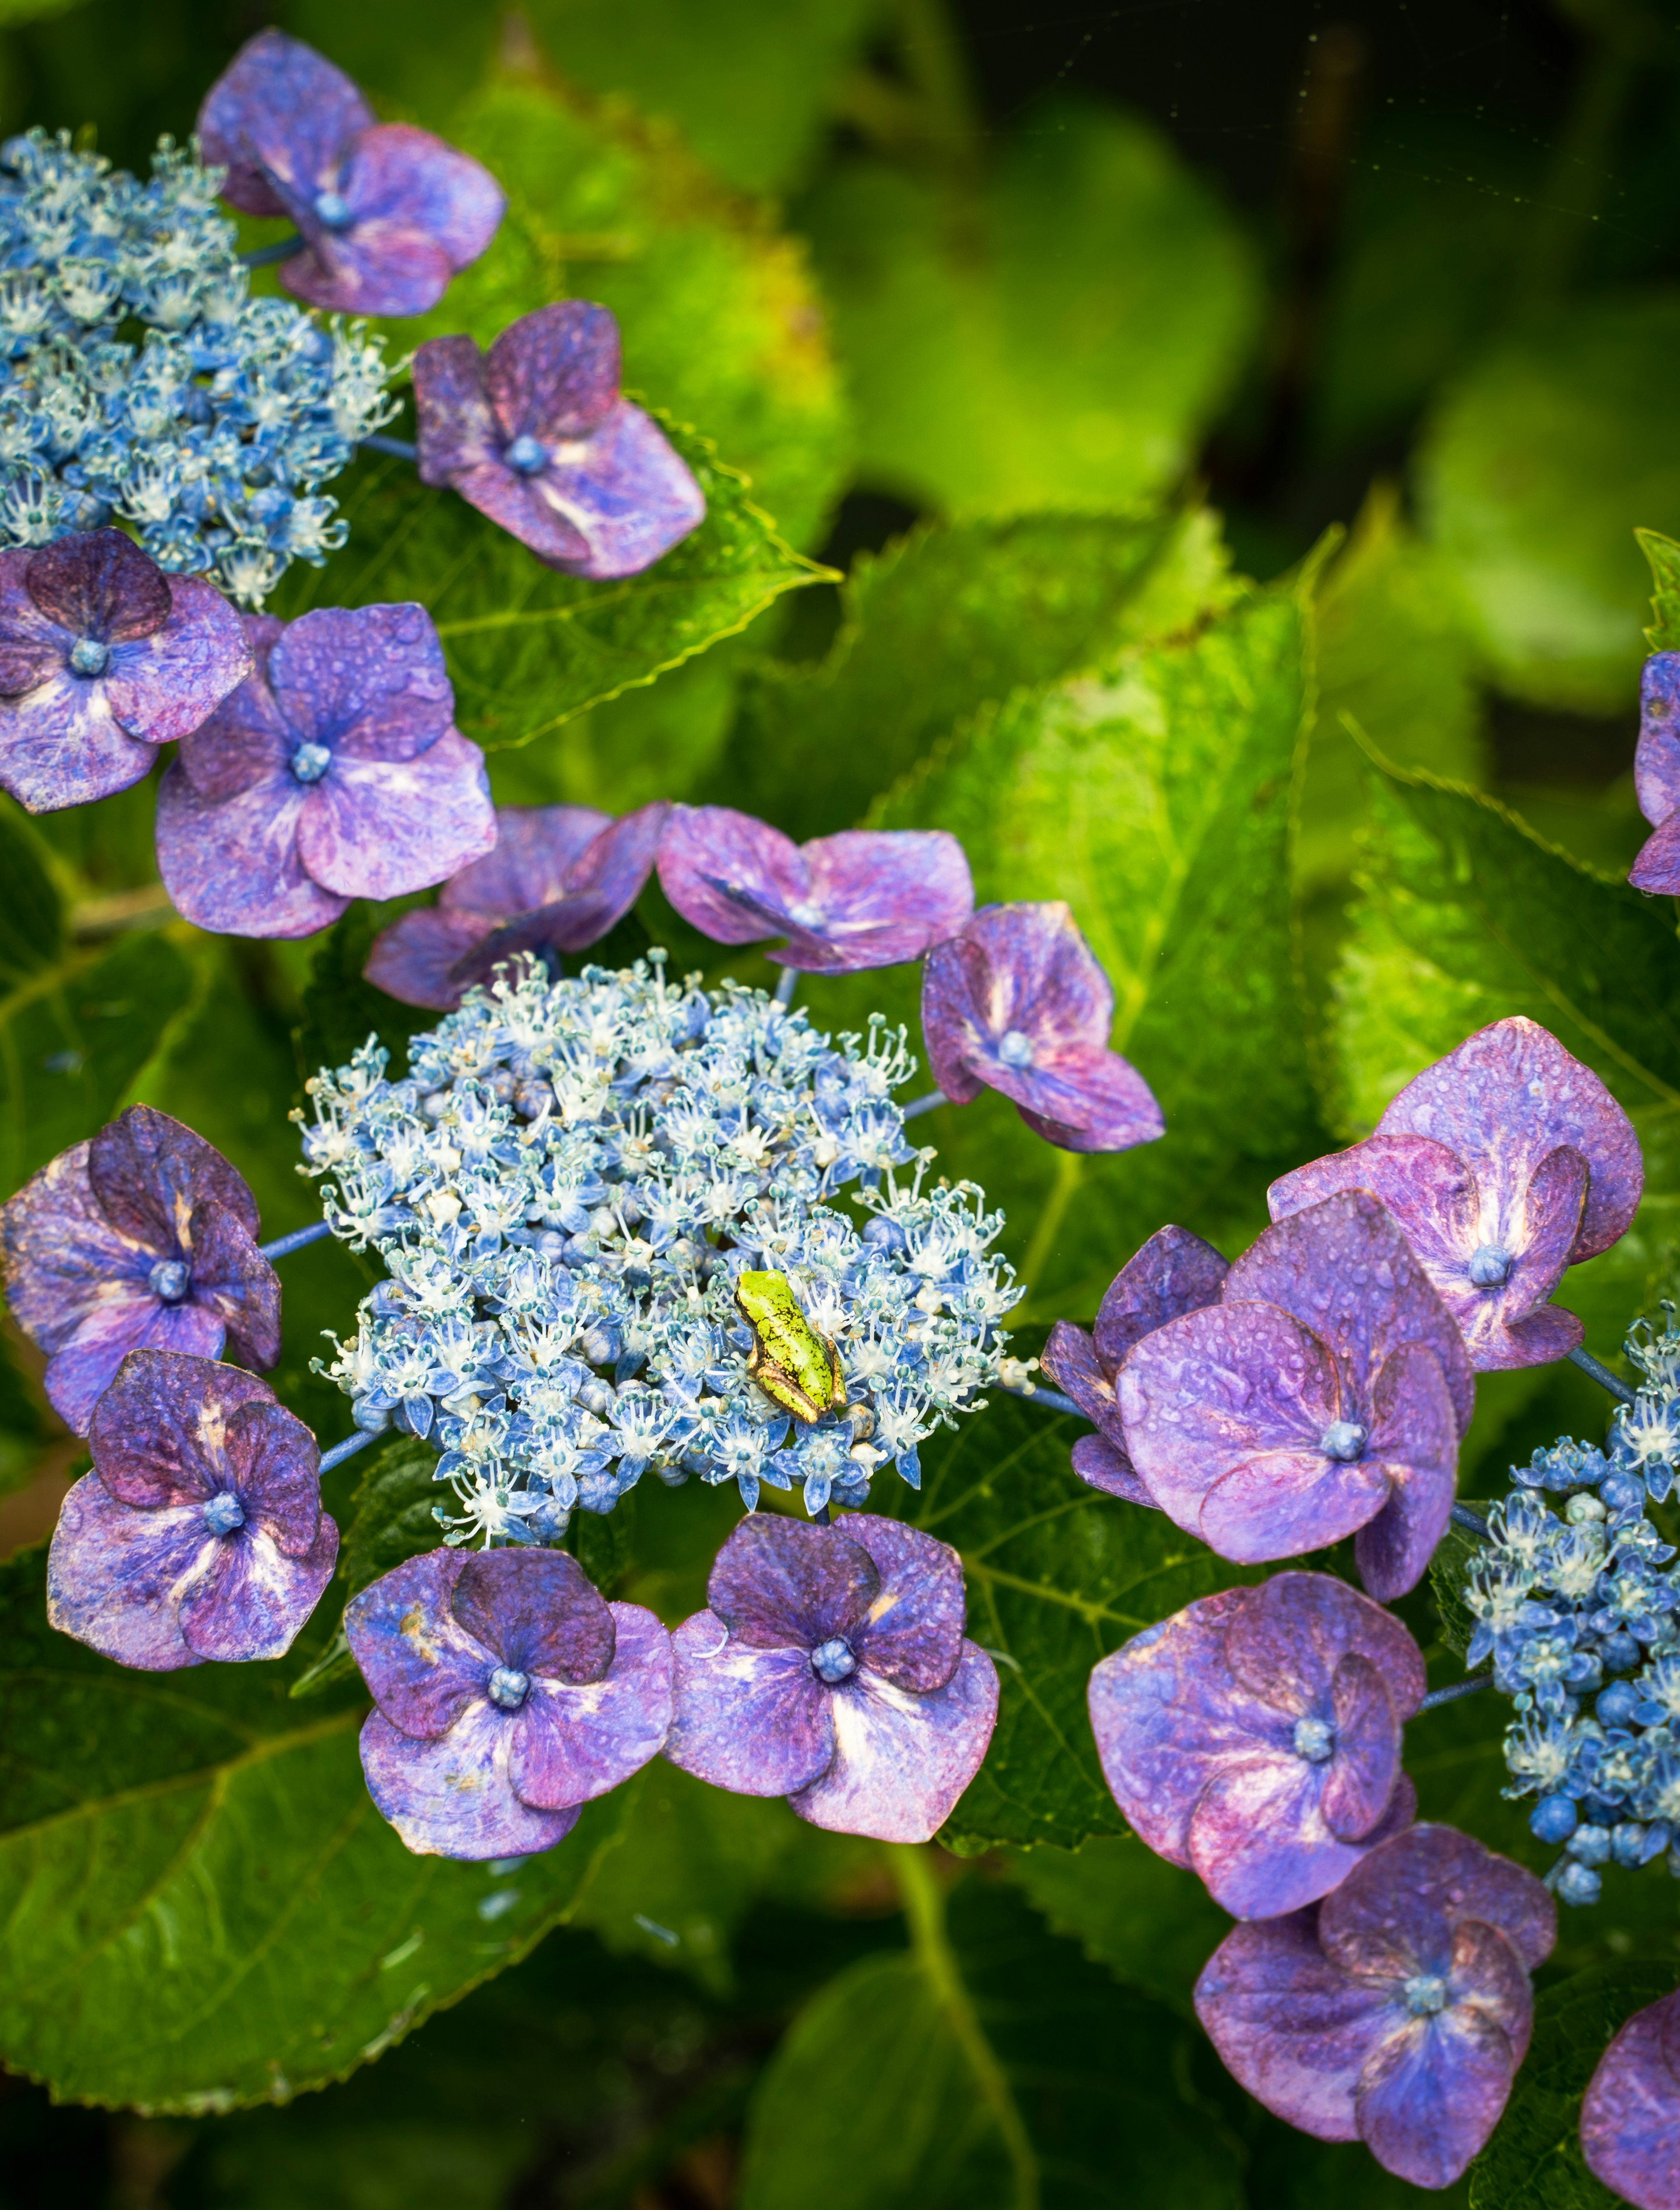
{"x":1657,"y":774}
{"x":831,"y":1668}
{"x":559,"y":877}
{"x":335,"y":771}
{"x":1255,"y":1737}
{"x":199,"y":1534}
{"x":145,"y":1237}
{"x":1630,"y":2120}
{"x":103,"y":658}
{"x":1504,"y":1162}
{"x":1175,"y":1272}
{"x":536,"y":434}
{"x":1016,"y":1002}
{"x":1323,"y":1396}
{"x":387,"y":212}
{"x":863,"y":898}
{"x":508,"y":1694}
{"x":1397,"y":2011}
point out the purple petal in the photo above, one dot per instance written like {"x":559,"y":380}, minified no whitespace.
{"x":379,"y":268}
{"x":602,"y":884}
{"x":149,"y":1173}
{"x":881,"y":896}
{"x":1097,"y":1461}
{"x":252,"y":1598}
{"x":538,"y":1612}
{"x":1258,"y":1840}
{"x":1070,"y":1361}
{"x":414,"y":959}
{"x":535,"y":848}
{"x":1023,"y":969}
{"x":1508,"y":1096}
{"x":523,"y":507}
{"x":912,"y":1634}
{"x":379,"y":829}
{"x":61,"y":746}
{"x":555,"y":374}
{"x":455,"y":429}
{"x":33,"y":648}
{"x":1414,"y":1440}
{"x":1630,"y":2120}
{"x":422,"y":1667}
{"x":1656,"y":866}
{"x":900,"y":1760}
{"x":1345,"y":1268}
{"x":100,"y":584}
{"x":112,"y":1571}
{"x":756,"y":1721}
{"x":275,"y":1466}
{"x":168,"y":684}
{"x":575,"y":1742}
{"x":234,"y":864}
{"x":1656,"y":762}
{"x":1359,"y":1781}
{"x":1173,"y":1273}
{"x":777,"y":1583}
{"x":1287,"y":1643}
{"x":1432,"y":2093}
{"x":279,"y":114}
{"x":1290,"y":2028}
{"x":162,"y":1432}
{"x":369,"y":681}
{"x":1282,"y":1504}
{"x":1084,"y":1100}
{"x":1396,"y":1911}
{"x":232,"y":1280}
{"x":246,"y":740}
{"x":452,"y":1797}
{"x":420,"y":211}
{"x":64,"y":1257}
{"x":704,"y":846}
{"x":623,"y":492}
{"x":80,"y":1373}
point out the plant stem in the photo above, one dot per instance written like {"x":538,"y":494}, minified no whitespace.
{"x":264,"y":257}
{"x":283,"y":1246}
{"x":400,"y":448}
{"x":1462,"y":1516}
{"x":787,"y":985}
{"x":1601,"y":1374}
{"x":1052,"y":1397}
{"x":348,"y":1448}
{"x":1454,"y":1690}
{"x":919,"y":1105}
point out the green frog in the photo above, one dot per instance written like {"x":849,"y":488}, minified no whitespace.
{"x":793,"y":1365}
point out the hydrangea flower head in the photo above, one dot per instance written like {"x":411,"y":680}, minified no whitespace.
{"x":199,"y":1534}
{"x":1397,"y":2011}
{"x":1504,"y":1162}
{"x":565,"y":1190}
{"x":335,"y":771}
{"x":506,"y":1694}
{"x":863,"y":898}
{"x":559,"y":877}
{"x":830,"y":1667}
{"x":103,"y":658}
{"x":144,"y":1237}
{"x":537,"y":435}
{"x":1630,"y":2119}
{"x":1323,"y":1396}
{"x":212,"y":436}
{"x":1256,"y":1736}
{"x":1657,"y":774}
{"x":1016,"y":1002}
{"x":1175,"y":1272}
{"x":389,"y":214}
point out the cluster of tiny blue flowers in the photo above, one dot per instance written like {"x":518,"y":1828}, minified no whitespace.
{"x":562,"y":1191}
{"x":212,"y":436}
{"x":1572,"y":1605}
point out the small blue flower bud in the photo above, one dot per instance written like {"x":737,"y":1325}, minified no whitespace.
{"x":832,"y":1662}
{"x":1619,"y":1652}
{"x":526,"y":455}
{"x":223,"y":1513}
{"x":1575,"y":1884}
{"x":1489,"y":1267}
{"x":1015,"y":1049}
{"x":1553,"y":1819}
{"x":310,"y":762}
{"x":1343,"y":1440}
{"x":1619,"y":1704}
{"x":509,"y":1688}
{"x":168,"y":1281}
{"x":1621,"y":1491}
{"x":1314,"y":1740}
{"x":89,"y":656}
{"x":1582,"y":1508}
{"x":1627,"y":1842}
{"x":1590,"y":1845}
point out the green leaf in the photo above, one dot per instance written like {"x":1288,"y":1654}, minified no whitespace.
{"x":1663,"y":555}
{"x":1448,"y":1567}
{"x":203,"y":1908}
{"x":342,"y":1009}
{"x":990,"y":2067}
{"x":1058,"y":331}
{"x":31,"y":917}
{"x":1534,"y":2161}
{"x":392,"y":1512}
{"x":1535,"y":470}
{"x":1152,"y":1923}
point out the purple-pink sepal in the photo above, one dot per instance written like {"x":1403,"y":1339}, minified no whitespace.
{"x":1630,"y":2119}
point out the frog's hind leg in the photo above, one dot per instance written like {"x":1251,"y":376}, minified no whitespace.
{"x":838,"y":1396}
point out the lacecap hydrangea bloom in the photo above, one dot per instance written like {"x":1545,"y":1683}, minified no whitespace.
{"x":567,"y":1189}
{"x":212,"y":434}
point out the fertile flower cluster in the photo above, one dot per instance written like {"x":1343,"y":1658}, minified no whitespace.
{"x":567,"y":1189}
{"x":212,"y":437}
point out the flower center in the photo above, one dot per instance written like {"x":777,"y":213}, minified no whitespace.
{"x":832,"y":1661}
{"x":1314,"y":1740}
{"x":509,"y":1688}
{"x":1425,"y":1993}
{"x":333,"y":211}
{"x":89,"y":656}
{"x":1015,"y":1049}
{"x":223,"y":1512}
{"x":167,"y":1281}
{"x":1343,"y":1439}
{"x":1489,"y":1267}
{"x":310,"y":762}
{"x":526,"y":455}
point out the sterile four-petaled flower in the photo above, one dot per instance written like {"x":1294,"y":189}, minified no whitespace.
{"x":1256,"y":1736}
{"x":1174,"y":1272}
{"x":1504,"y":1162}
{"x":1325,"y":1393}
{"x":831,"y":1668}
{"x":387,"y":212}
{"x":508,"y":1694}
{"x":536,"y":434}
{"x":863,"y":898}
{"x":143,"y":1237}
{"x":1630,"y":2120}
{"x":103,"y":658}
{"x":1016,"y":1002}
{"x":559,"y":877}
{"x":1657,"y":774}
{"x":1396,"y":2011}
{"x":199,"y":1534}
{"x":334,"y":772}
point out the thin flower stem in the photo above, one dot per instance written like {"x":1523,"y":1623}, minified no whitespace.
{"x":400,"y":449}
{"x":264,"y":257}
{"x":1471,"y":1521}
{"x":1550,"y":1879}
{"x":787,"y":985}
{"x":824,"y":1518}
{"x":1052,"y":1397}
{"x":1451,"y":1694}
{"x":911,"y":1868}
{"x":925,"y":1104}
{"x":1602,"y":1375}
{"x":348,"y":1448}
{"x":283,"y":1246}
